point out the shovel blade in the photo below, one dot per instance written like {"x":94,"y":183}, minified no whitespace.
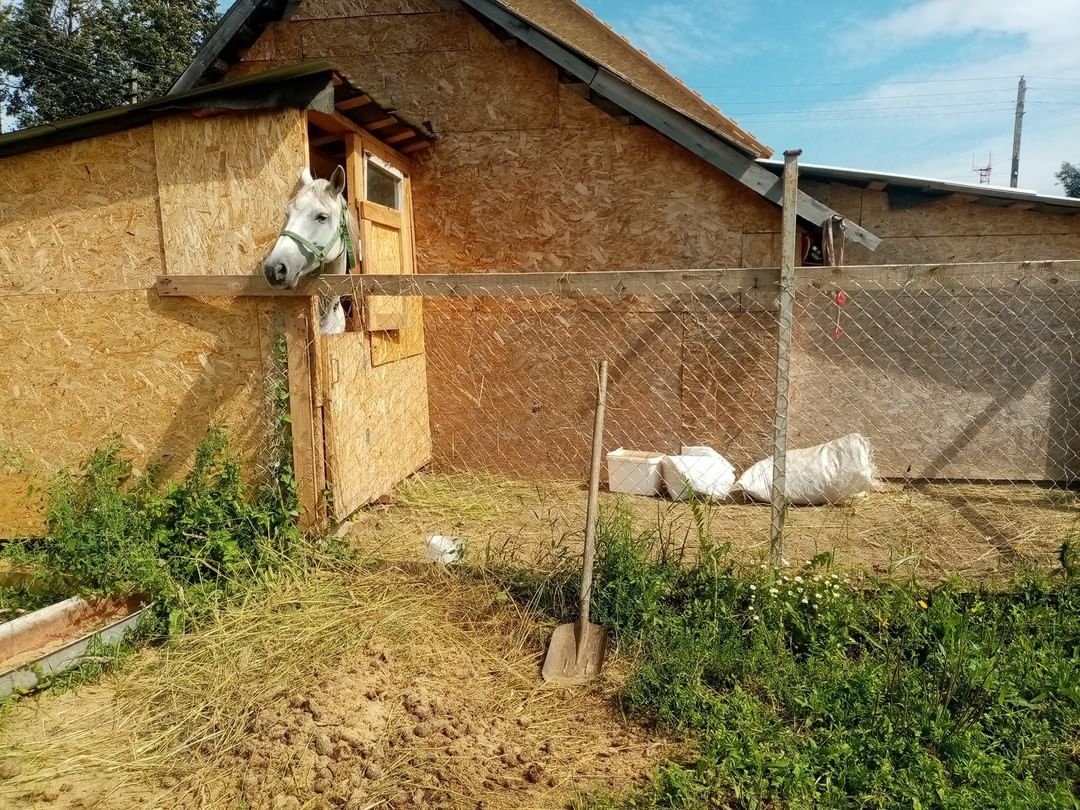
{"x":562,"y":664}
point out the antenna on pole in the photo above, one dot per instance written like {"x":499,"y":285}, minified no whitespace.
{"x":1021,"y":91}
{"x":983,"y":171}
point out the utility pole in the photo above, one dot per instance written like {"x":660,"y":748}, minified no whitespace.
{"x":1021,"y":91}
{"x":133,"y":87}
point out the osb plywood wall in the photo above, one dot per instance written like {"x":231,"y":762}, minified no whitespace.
{"x":945,"y":386}
{"x":949,"y":229}
{"x":972,"y":385}
{"x":90,"y":350}
{"x":223,"y":183}
{"x":527,"y":175}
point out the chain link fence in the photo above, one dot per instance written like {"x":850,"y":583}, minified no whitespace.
{"x":473,"y":419}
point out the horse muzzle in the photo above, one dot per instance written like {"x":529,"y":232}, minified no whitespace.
{"x":277,"y":274}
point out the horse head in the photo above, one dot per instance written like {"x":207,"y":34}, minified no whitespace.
{"x":316,"y":232}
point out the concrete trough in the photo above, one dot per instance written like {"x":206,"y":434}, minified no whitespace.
{"x":55,"y":638}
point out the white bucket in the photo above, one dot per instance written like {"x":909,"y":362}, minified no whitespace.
{"x":634,"y":472}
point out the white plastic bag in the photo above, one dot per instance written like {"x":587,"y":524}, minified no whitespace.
{"x":444,"y":550}
{"x":700,"y":470}
{"x":826,"y":473}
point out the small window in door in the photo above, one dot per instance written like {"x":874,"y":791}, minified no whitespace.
{"x":383,"y":183}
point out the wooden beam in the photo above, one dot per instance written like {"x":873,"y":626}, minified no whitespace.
{"x":323,"y":140}
{"x":299,"y":337}
{"x":399,"y":137}
{"x":382,"y":123}
{"x":876,"y":185}
{"x":453,"y":285}
{"x":617,"y":284}
{"x":352,"y":103}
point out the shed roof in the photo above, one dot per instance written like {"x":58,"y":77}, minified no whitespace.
{"x":303,"y":86}
{"x":928,"y":187}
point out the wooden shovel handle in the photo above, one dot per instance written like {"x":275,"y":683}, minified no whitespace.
{"x":592,"y":509}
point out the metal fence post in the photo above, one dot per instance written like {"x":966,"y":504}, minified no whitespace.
{"x":785,"y":320}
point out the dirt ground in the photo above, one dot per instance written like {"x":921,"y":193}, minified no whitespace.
{"x":402,"y":685}
{"x":932,"y":531}
{"x":428,"y":696}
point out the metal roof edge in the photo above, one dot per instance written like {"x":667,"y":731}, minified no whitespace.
{"x":928,"y":184}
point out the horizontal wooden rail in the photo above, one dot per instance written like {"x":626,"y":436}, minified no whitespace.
{"x":456,"y":285}
{"x":620,"y":283}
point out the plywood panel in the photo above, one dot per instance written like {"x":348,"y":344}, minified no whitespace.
{"x":81,"y":216}
{"x":155,"y":372}
{"x":728,"y":372}
{"x":953,"y":216}
{"x":978,"y":385}
{"x":944,"y":249}
{"x":408,"y":340}
{"x":224,"y":182}
{"x":460,"y":91}
{"x":512,"y":383}
{"x":327,"y":9}
{"x":617,"y":198}
{"x":384,"y":35}
{"x":383,"y":255}
{"x":377,"y":430}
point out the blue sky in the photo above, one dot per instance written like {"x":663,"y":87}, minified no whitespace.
{"x":916,"y":87}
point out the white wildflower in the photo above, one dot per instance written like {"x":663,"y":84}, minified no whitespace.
{"x":805,"y":601}
{"x":773,"y":591}
{"x":798,"y":579}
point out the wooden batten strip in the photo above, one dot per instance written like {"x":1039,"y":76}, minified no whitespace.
{"x":352,"y":103}
{"x":988,"y":275}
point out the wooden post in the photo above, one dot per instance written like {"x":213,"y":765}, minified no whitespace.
{"x":785,"y":320}
{"x":299,"y":334}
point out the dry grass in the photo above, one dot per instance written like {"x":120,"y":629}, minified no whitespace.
{"x":933,"y":531}
{"x":187,"y":725}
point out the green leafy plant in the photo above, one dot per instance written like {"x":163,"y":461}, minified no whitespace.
{"x":185,"y":545}
{"x":807,"y":688}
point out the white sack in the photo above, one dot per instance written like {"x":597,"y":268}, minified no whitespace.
{"x":700,"y":470}
{"x":826,"y":473}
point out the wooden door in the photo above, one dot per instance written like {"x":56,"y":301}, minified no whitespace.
{"x":376,"y":412}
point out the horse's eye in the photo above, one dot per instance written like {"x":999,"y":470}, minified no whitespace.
{"x":322,"y":217}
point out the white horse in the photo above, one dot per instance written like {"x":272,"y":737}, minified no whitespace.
{"x":319,"y":235}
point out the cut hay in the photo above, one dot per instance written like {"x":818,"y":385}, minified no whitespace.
{"x":933,"y":531}
{"x":362,"y":689}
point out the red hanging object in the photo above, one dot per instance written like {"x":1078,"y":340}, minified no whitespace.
{"x":841,"y":299}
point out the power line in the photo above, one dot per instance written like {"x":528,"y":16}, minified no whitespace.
{"x":867,"y":98}
{"x":887,"y":110}
{"x":794,"y":85}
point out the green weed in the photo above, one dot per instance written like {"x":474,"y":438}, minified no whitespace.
{"x":805,"y":689}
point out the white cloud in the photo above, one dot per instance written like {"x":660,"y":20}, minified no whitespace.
{"x":683,"y":35}
{"x":959,"y":43}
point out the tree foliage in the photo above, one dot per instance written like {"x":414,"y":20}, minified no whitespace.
{"x":1069,"y":177}
{"x":63,"y":58}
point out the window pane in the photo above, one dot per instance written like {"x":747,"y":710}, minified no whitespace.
{"x":382,"y":186}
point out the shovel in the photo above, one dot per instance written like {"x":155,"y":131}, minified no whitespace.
{"x":577,"y":650}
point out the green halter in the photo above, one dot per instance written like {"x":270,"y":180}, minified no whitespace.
{"x":320,"y":253}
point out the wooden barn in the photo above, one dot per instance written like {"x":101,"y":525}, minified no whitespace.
{"x":516,"y":136}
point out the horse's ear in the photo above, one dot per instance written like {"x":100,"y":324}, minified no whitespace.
{"x":305,"y":176}
{"x":337,"y":181}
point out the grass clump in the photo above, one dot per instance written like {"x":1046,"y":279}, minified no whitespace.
{"x":186,"y":545}
{"x":804,"y":689}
